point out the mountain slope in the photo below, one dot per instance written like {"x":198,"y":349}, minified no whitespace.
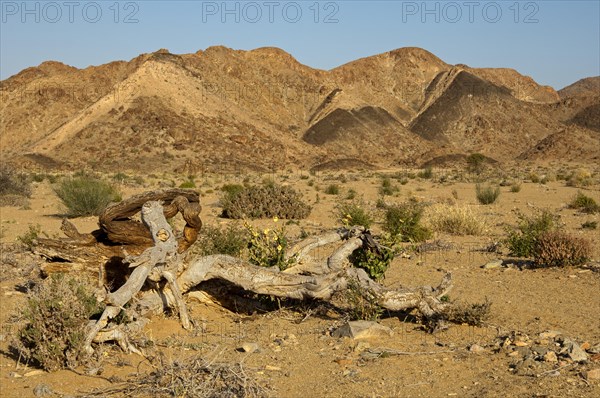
{"x":224,"y":109}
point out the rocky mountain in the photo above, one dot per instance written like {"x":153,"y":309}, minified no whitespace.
{"x":224,"y":109}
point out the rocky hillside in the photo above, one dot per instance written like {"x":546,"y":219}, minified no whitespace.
{"x":224,"y":109}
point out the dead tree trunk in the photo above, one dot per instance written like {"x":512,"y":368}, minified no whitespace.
{"x":323,"y":279}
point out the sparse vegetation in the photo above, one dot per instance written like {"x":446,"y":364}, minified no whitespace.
{"x":230,"y":240}
{"x":193,"y":377}
{"x":267,"y":247}
{"x":584,"y":203}
{"x":363,"y":302}
{"x":558,"y":249}
{"x":580,"y":178}
{"x":470,"y":314}
{"x":453,"y":219}
{"x":515,"y":187}
{"x":55,"y":317}
{"x":589,"y":225}
{"x":354,"y":213}
{"x":15,"y":187}
{"x":332,"y":189}
{"x":264,"y":201}
{"x":426,"y":173}
{"x":522,"y":241}
{"x":487,"y":195}
{"x":387,"y":188}
{"x":403,"y":222}
{"x":86,"y":195}
{"x":476,"y":163}
{"x":189,"y":184}
{"x":29,"y":237}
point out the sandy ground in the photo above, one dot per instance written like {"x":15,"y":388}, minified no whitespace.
{"x":297,"y":355}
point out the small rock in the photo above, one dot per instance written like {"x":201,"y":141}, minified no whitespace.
{"x":550,"y":356}
{"x":593,"y":374}
{"x":539,"y":350}
{"x":550,"y":334}
{"x":42,"y":390}
{"x":362,"y":330}
{"x":273,"y":368}
{"x":476,"y":348}
{"x":249,"y":347}
{"x":521,"y":343}
{"x":15,"y":375}
{"x":576,"y":353}
{"x":361,"y":346}
{"x":492,"y":264}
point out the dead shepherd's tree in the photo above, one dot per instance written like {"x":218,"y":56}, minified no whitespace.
{"x":161,"y":275}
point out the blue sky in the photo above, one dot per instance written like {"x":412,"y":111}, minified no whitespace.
{"x":555,"y":42}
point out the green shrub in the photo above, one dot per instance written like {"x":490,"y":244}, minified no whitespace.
{"x":232,"y":189}
{"x":476,"y":163}
{"x":590,"y":225}
{"x":267,"y":247}
{"x":387,"y":188}
{"x":56,"y":315}
{"x":455,"y":220}
{"x":584,"y":203}
{"x":426,"y":173}
{"x":29,"y":237}
{"x":354,"y":213}
{"x":231,"y":240}
{"x":487,"y":195}
{"x":264,"y":201}
{"x":558,"y":249}
{"x":351,"y":194}
{"x":332,"y":189}
{"x":189,"y":184}
{"x":85,"y":195}
{"x":580,"y":178}
{"x":13,"y":182}
{"x":363,"y":302}
{"x":403,"y":222}
{"x":515,"y":187}
{"x":375,"y":262}
{"x":522,"y":241}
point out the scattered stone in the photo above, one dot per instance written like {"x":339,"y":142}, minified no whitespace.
{"x":361,"y":346}
{"x":521,"y":343}
{"x":527,"y":367}
{"x":575,"y":352}
{"x":249,"y":347}
{"x":42,"y":390}
{"x":492,"y":264}
{"x":595,"y":349}
{"x":362,"y":330}
{"x":550,"y":334}
{"x":593,"y":374}
{"x":539,"y":350}
{"x":476,"y":348}
{"x":550,"y":356}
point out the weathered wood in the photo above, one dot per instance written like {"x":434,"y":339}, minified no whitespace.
{"x":116,"y":220}
{"x":163,"y":252}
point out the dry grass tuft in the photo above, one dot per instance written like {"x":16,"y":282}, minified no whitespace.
{"x":193,"y":377}
{"x":453,"y":219}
